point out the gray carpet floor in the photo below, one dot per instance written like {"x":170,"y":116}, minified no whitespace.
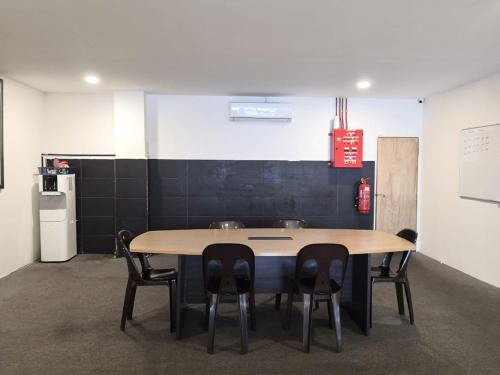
{"x":64,"y":319}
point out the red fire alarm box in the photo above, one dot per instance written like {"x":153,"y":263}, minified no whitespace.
{"x":347,"y":148}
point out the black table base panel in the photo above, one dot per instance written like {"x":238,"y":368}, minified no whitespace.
{"x":272,"y":275}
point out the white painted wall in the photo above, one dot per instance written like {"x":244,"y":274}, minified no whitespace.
{"x":78,"y":124}
{"x":19,"y":226}
{"x":95,"y":124}
{"x":129,"y":125}
{"x":462,"y":233}
{"x":198,"y":127}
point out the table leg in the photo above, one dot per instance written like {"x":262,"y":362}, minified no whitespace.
{"x":181,"y":268}
{"x":358,"y":307}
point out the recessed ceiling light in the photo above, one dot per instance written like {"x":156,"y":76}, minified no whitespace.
{"x":91,"y":79}
{"x":363,"y":84}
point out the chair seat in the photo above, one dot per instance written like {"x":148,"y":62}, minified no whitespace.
{"x":147,"y":276}
{"x":384,"y":274}
{"x":381,"y":270}
{"x":308,"y":286}
{"x":160,"y":274}
{"x":241,"y":285}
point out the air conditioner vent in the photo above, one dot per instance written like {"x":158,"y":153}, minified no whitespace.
{"x":261,"y":111}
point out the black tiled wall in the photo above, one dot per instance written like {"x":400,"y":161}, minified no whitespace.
{"x":132,"y":195}
{"x":193,"y":193}
{"x":156,"y":194}
{"x":111,"y":195}
{"x":97,"y":206}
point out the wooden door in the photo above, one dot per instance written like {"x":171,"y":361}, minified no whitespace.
{"x":396,"y":192}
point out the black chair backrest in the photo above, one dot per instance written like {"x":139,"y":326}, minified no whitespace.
{"x":228,"y":268}
{"x":313,"y":273}
{"x":290,"y":223}
{"x":226,"y":224}
{"x":124,"y":239}
{"x":409,"y":235}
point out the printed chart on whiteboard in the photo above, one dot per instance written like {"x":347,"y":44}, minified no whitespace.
{"x":480,"y":163}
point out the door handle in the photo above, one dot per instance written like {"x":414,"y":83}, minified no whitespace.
{"x":380,"y":195}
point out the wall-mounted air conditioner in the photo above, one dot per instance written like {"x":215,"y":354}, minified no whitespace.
{"x":261,"y":111}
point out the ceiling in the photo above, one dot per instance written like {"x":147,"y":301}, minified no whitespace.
{"x":250,"y":47}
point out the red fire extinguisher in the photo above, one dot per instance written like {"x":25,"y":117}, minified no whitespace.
{"x":363,"y":198}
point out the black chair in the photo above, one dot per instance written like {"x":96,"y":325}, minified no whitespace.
{"x":147,"y":277}
{"x":229,"y":270}
{"x":226,"y":224}
{"x":384,"y":274}
{"x":290,"y":224}
{"x":319,"y":273}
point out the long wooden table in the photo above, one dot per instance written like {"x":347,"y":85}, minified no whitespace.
{"x":275,"y":251}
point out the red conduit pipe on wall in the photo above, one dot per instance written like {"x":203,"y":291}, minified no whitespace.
{"x":346,"y":126}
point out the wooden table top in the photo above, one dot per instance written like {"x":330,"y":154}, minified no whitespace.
{"x":194,"y":241}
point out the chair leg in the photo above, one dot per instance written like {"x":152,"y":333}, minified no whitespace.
{"x":253,"y":316}
{"x":289,"y":305}
{"x":207,"y":313}
{"x":172,"y":296}
{"x":399,"y":294}
{"x":331,"y":320}
{"x":371,"y":303}
{"x":131,"y":303}
{"x":307,"y":320}
{"x":242,"y":304}
{"x":335,"y":298}
{"x":408,"y":300}
{"x":126,"y":304}
{"x":214,"y":300}
{"x":277,"y":301}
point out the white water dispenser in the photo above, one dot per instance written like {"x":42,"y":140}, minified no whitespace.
{"x":57,"y":217}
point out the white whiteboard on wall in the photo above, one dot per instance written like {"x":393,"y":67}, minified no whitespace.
{"x":480,"y":163}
